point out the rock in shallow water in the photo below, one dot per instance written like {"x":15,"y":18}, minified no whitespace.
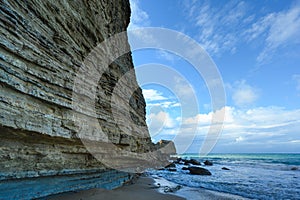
{"x":225,"y":168}
{"x":199,"y":171}
{"x":171,"y":165}
{"x":208,"y":163}
{"x":192,"y":162}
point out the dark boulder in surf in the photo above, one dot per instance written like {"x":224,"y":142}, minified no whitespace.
{"x":195,"y":162}
{"x":199,"y":171}
{"x":207,"y":162}
{"x":192,"y":161}
{"x":225,"y":168}
{"x":170,"y":165}
{"x":179,"y":161}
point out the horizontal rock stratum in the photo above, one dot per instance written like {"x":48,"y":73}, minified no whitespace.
{"x":43,"y":46}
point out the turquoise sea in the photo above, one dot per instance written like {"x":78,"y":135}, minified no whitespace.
{"x":255,"y":176}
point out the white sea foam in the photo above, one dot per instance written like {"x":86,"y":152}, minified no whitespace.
{"x":191,"y":193}
{"x":255,"y":176}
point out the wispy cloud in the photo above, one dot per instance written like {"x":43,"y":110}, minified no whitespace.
{"x":153,"y":95}
{"x":166,"y":56}
{"x":155,"y":98}
{"x":183,"y":88}
{"x":224,"y":28}
{"x":243,"y":94}
{"x":139,"y":17}
{"x":279,"y":30}
{"x":164,"y":104}
{"x":215,"y":25}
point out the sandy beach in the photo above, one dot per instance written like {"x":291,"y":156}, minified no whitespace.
{"x":143,"y":188}
{"x":146,"y":188}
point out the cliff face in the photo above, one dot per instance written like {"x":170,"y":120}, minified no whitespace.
{"x":43,"y":45}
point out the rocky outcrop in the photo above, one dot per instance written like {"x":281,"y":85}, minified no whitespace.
{"x":43,"y":45}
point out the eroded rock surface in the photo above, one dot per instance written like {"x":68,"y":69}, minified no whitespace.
{"x":42,"y":46}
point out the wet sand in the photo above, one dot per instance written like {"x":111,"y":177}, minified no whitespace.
{"x":146,"y":188}
{"x":143,"y":188}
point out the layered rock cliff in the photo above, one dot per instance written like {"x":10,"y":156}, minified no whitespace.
{"x":43,"y":45}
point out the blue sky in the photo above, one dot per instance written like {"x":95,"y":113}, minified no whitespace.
{"x":256,"y":48}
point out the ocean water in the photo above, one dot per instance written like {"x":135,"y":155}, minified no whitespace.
{"x":255,"y":176}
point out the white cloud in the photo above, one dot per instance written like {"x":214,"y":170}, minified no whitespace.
{"x":153,"y":95}
{"x":223,"y":28}
{"x":239,"y":139}
{"x":201,"y":119}
{"x":159,"y":122}
{"x":259,"y":27}
{"x":156,"y":98}
{"x":139,"y":17}
{"x":162,"y":118}
{"x":137,"y":35}
{"x":167,"y":56}
{"x":165,"y":104}
{"x":214,"y":24}
{"x":262,"y":125}
{"x":223,"y":115}
{"x":244,"y":94}
{"x":176,"y":104}
{"x":279,"y":30}
{"x":254,"y":127}
{"x":186,"y":95}
{"x":183,"y":88}
{"x":285,"y":28}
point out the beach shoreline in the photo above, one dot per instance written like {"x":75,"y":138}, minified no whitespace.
{"x":146,"y":187}
{"x":191,"y":193}
{"x":141,"y":188}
